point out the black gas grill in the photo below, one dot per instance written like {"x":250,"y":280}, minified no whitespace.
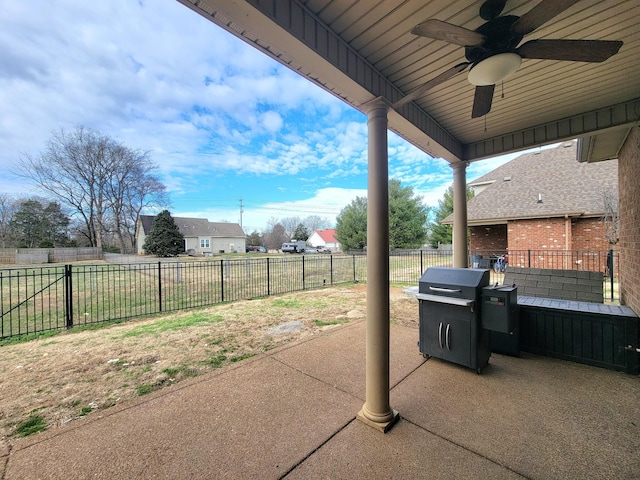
{"x":450,"y":327}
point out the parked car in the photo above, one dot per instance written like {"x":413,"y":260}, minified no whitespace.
{"x":256,"y":248}
{"x":310,"y":250}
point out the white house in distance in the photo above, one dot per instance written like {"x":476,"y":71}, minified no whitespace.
{"x":201,"y":237}
{"x":324,"y":239}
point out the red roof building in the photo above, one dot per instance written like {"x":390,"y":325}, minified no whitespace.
{"x":324,"y":239}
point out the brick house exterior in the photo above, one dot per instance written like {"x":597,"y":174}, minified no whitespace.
{"x":629,"y":246}
{"x":584,"y":234}
{"x":527,"y":203}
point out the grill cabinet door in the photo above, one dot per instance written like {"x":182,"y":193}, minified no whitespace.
{"x":445,"y":332}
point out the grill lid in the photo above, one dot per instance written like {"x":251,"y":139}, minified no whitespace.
{"x":456,"y":282}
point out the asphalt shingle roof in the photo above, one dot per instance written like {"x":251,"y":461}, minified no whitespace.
{"x":566,"y":186}
{"x":198,"y":227}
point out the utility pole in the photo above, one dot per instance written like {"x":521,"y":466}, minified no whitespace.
{"x":241,"y":210}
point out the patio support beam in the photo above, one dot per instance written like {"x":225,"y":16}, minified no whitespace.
{"x":460,"y":254}
{"x":377,"y":411}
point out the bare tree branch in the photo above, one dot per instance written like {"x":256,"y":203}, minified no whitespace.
{"x":105,"y":183}
{"x":610,"y":218}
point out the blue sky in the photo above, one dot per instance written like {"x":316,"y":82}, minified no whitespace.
{"x":222,"y":121}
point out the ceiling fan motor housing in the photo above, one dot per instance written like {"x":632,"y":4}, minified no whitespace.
{"x":499,"y":39}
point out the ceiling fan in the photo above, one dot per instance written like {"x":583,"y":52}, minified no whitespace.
{"x":492,"y":49}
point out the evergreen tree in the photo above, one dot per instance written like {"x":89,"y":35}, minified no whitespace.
{"x":440,"y":233}
{"x":164,"y":239}
{"x":254,"y":239}
{"x":407,"y":217}
{"x":351,"y":225}
{"x":35,"y":225}
{"x":301,"y":233}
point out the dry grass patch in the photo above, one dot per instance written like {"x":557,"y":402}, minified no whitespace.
{"x":67,"y":376}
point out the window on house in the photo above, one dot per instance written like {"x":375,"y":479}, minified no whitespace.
{"x":204,"y":243}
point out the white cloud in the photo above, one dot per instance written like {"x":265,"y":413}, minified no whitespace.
{"x":209,"y":109}
{"x":272,"y":121}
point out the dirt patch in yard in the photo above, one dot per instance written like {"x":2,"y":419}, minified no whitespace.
{"x":72,"y":374}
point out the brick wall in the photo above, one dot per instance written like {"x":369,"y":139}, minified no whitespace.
{"x":488,"y":237}
{"x":525,"y":240}
{"x":539,"y":234}
{"x":629,"y":192}
{"x":588,"y":234}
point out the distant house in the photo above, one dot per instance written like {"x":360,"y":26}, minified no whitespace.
{"x":528,"y":204}
{"x":324,"y":239}
{"x":201,"y":237}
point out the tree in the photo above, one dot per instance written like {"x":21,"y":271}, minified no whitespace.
{"x":611,"y":218}
{"x":276,"y":237}
{"x":290,"y":224}
{"x":164,"y":239}
{"x":407,"y":217}
{"x":314,"y":222}
{"x":351,"y":225}
{"x":8,"y":208}
{"x":105,"y":183}
{"x":301,"y":233}
{"x":254,"y":238}
{"x":130,"y":187}
{"x":439,"y":233}
{"x":35,"y":225}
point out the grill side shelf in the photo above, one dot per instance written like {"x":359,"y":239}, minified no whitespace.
{"x":461,"y":302}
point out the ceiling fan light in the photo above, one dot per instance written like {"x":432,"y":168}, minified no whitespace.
{"x":494,"y":69}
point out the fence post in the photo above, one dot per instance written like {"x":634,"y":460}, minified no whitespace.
{"x":68,"y":293}
{"x":529,"y":256}
{"x":159,"y":287}
{"x":331,"y":269}
{"x":268,"y":277}
{"x":303,"y":274}
{"x":353,"y":260}
{"x":610,"y":263}
{"x":421,"y":263}
{"x":221,"y":280}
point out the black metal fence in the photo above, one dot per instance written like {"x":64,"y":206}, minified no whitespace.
{"x":54,"y":297}
{"x":37,"y":299}
{"x":587,"y":260}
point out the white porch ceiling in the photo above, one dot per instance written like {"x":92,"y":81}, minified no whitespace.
{"x":362,"y":49}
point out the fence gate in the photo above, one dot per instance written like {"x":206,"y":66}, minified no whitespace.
{"x":34,"y":300}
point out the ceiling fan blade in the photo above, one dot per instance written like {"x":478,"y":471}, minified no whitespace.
{"x":443,"y":77}
{"x":572,"y":50}
{"x":482,"y":100}
{"x":491,"y":9}
{"x":439,"y":30}
{"x":540,"y":14}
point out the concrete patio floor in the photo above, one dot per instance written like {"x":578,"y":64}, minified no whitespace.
{"x":291,"y":413}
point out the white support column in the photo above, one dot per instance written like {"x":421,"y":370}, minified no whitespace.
{"x":460,"y":251}
{"x":377,"y":411}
